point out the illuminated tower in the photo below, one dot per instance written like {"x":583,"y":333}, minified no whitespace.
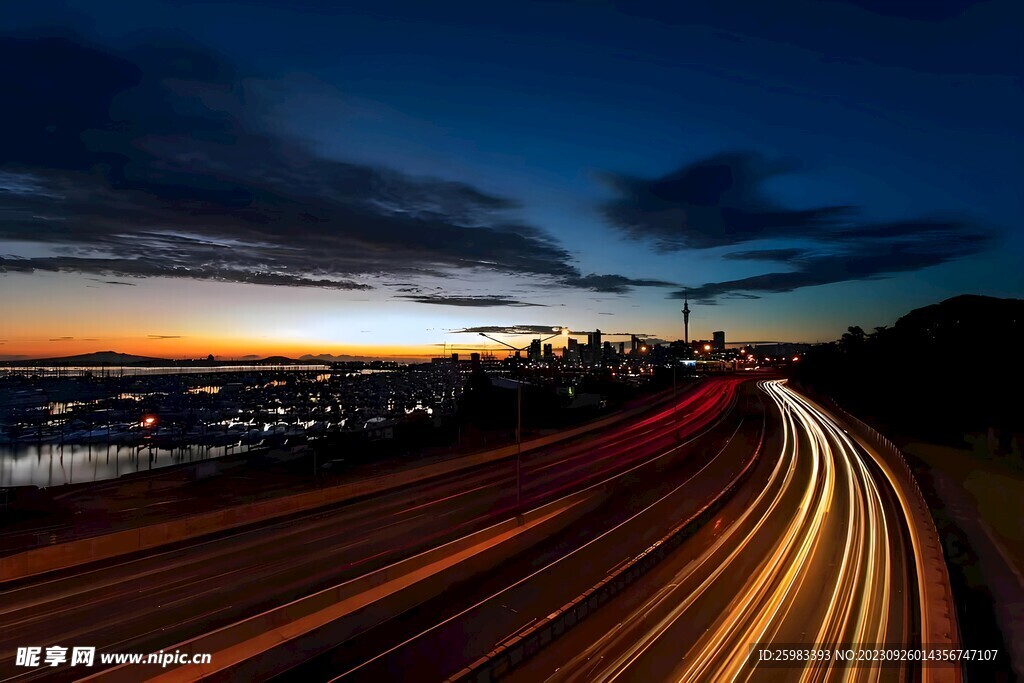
{"x":686,"y":319}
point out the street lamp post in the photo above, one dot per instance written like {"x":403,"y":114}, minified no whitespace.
{"x":519,"y":414}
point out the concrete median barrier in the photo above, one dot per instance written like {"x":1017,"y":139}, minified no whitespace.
{"x":520,"y":647}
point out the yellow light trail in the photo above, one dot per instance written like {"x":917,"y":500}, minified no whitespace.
{"x":821,"y":501}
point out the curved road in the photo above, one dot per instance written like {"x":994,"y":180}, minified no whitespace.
{"x":814,"y":550}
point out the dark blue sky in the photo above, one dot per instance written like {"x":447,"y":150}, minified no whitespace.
{"x":416,"y":167}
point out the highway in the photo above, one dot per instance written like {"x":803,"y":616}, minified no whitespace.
{"x":814,"y":549}
{"x":443,"y":635}
{"x":144,"y":604}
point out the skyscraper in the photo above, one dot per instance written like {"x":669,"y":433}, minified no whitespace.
{"x":534,"y":353}
{"x":719,"y":340}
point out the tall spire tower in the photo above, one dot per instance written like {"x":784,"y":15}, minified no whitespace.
{"x":686,"y":318}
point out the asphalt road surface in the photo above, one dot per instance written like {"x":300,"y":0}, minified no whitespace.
{"x":814,"y":550}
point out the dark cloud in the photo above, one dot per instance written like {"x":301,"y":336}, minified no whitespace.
{"x":154,"y":162}
{"x":481,"y":301}
{"x":163,"y":336}
{"x":778,"y":255}
{"x":714,"y":202}
{"x":509,"y":329}
{"x":539,"y":330}
{"x":721,"y":202}
{"x":147,"y":266}
{"x":642,"y":335}
{"x":614,"y":284}
{"x":868,"y":252}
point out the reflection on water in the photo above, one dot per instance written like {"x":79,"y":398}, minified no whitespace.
{"x":52,"y":464}
{"x":211,"y":390}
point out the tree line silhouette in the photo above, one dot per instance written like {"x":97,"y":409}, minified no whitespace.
{"x":939,"y":373}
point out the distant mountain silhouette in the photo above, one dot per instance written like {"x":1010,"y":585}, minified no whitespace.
{"x":284,"y":360}
{"x":102,"y":358}
{"x":330,"y":358}
{"x":117,"y":358}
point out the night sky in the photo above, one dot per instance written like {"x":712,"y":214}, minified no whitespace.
{"x":369,"y":179}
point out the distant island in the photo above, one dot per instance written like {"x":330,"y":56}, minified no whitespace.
{"x":117,"y":359}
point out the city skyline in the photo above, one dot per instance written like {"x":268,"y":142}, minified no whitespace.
{"x":187,"y":189}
